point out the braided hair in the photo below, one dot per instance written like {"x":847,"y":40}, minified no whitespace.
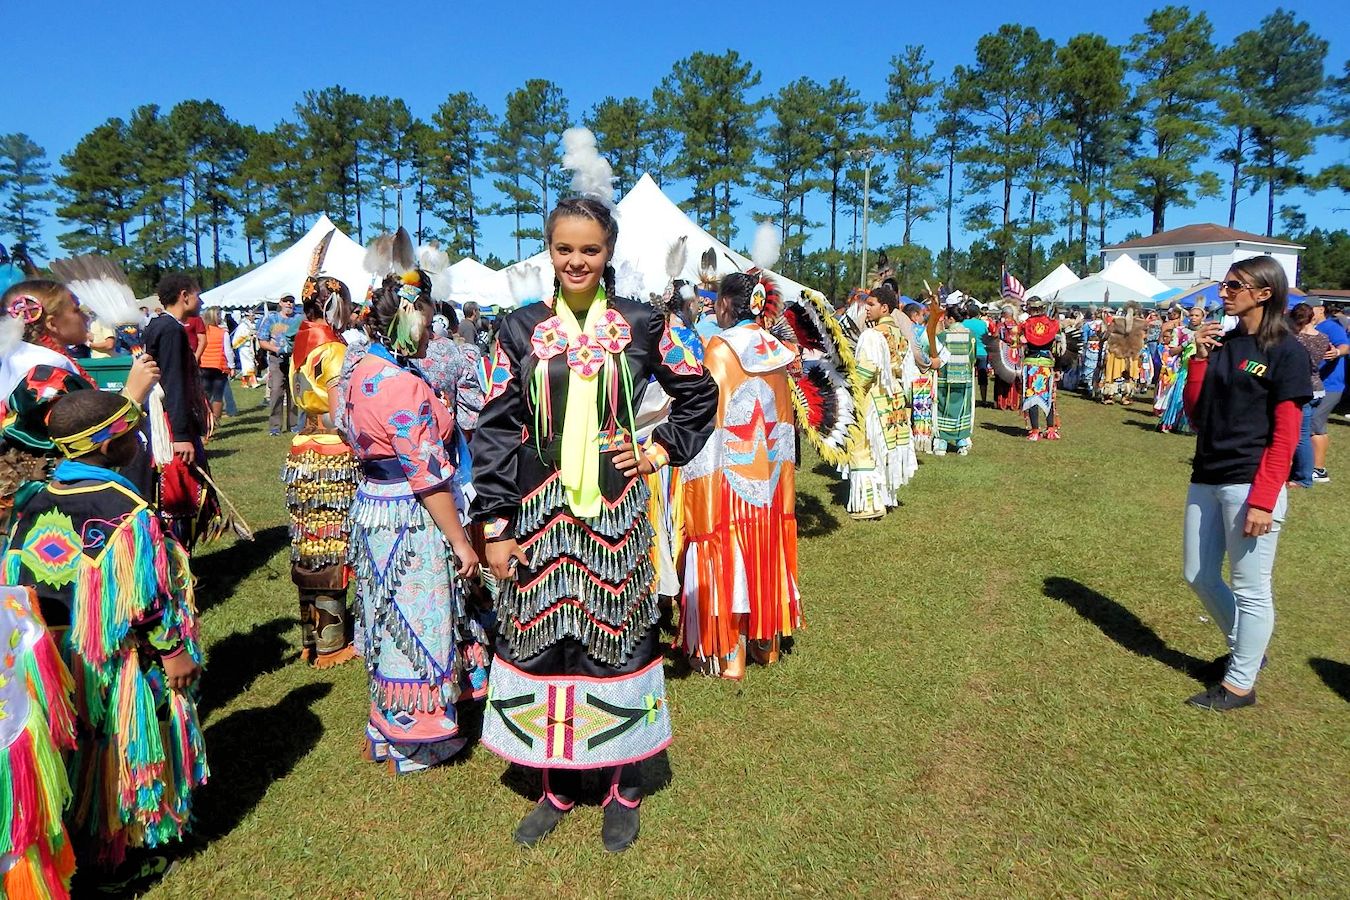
{"x":318,"y":291}
{"x":738,"y":288}
{"x":382,"y":325}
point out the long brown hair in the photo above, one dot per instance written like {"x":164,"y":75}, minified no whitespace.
{"x":1265,"y":272}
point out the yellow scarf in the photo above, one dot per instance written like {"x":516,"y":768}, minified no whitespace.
{"x":581,"y":420}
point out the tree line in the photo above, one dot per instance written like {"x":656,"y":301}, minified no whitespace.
{"x":1030,"y":147}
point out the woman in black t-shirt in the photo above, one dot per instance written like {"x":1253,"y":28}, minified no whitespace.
{"x":1245,"y":393}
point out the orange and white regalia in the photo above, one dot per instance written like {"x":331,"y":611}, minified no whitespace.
{"x":740,"y":560}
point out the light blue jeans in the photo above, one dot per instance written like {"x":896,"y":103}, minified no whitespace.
{"x":1245,"y":612}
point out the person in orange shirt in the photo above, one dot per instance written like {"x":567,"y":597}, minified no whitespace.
{"x":217,"y":362}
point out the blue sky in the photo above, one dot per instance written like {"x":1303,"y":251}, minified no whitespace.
{"x":257,"y":59}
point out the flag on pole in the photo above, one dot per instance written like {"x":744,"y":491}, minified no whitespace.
{"x":1012,"y":288}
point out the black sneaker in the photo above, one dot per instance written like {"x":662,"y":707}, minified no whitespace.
{"x":1320,"y":476}
{"x":1219,"y":699}
{"x":621,"y":827}
{"x":538,"y":823}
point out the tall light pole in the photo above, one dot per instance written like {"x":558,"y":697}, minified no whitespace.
{"x":865,"y":154}
{"x":400,"y":187}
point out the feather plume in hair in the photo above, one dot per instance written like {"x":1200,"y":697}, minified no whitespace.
{"x":320,"y":251}
{"x":391,"y":254}
{"x":435,"y":262}
{"x":11,"y":333}
{"x":592,"y":176}
{"x":527,"y":285}
{"x":676,"y":257}
{"x":102,"y":288}
{"x":707,"y":269}
{"x":764,"y":251}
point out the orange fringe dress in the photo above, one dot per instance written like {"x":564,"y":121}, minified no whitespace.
{"x":740,"y":558}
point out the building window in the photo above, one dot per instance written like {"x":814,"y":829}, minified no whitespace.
{"x":1184,"y":263}
{"x":1149,"y":263}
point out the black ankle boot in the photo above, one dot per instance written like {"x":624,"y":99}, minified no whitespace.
{"x":622,"y":824}
{"x":538,"y":823}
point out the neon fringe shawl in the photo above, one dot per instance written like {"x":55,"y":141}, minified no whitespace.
{"x":34,"y":789}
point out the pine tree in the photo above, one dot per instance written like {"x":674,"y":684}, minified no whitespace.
{"x":792,"y":149}
{"x":332,"y":152}
{"x":902,"y":116}
{"x":1006,"y":91}
{"x":96,"y":186}
{"x":528,"y":155}
{"x":950,"y":133}
{"x":1092,"y":103}
{"x":1287,"y":76}
{"x":1176,"y":62}
{"x":842,"y":116}
{"x":706,"y":98}
{"x":25,"y":183}
{"x":618,"y":128}
{"x":459,"y":139}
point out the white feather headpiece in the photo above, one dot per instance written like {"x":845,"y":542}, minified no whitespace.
{"x":592,"y":176}
{"x":436,"y":263}
{"x":764,"y":251}
{"x":628,"y":281}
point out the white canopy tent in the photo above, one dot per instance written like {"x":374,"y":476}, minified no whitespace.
{"x":285,"y":273}
{"x":470,"y":280}
{"x":649,"y":223}
{"x":1123,"y":281}
{"x":1057,"y":280}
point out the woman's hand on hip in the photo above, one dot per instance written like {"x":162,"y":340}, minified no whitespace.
{"x":502,"y":558}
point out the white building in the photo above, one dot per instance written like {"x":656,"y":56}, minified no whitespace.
{"x":1194,"y":254}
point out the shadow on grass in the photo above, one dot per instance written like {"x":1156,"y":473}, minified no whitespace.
{"x":1121,"y":625}
{"x":814,"y":519}
{"x":236,"y":661}
{"x":251,"y":749}
{"x":1141,"y":407}
{"x":1010,"y":430}
{"x":1151,"y":425}
{"x":223,"y":569}
{"x":654,"y":773}
{"x":838,"y":487}
{"x":248,"y":752}
{"x":1335,"y":675}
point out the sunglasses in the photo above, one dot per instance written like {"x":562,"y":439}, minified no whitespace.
{"x":1233,"y":287}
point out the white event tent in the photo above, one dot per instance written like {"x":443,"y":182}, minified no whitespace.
{"x":649,"y":223}
{"x":1056,"y":281}
{"x":1123,"y":281}
{"x":285,"y":273}
{"x":471,"y":280}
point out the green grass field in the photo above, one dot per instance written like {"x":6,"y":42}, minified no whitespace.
{"x":987,"y":701}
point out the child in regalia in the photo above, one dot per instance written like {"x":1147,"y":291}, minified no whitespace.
{"x":114,"y":586}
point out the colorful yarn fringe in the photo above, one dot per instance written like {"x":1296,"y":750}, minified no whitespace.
{"x":34,"y":789}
